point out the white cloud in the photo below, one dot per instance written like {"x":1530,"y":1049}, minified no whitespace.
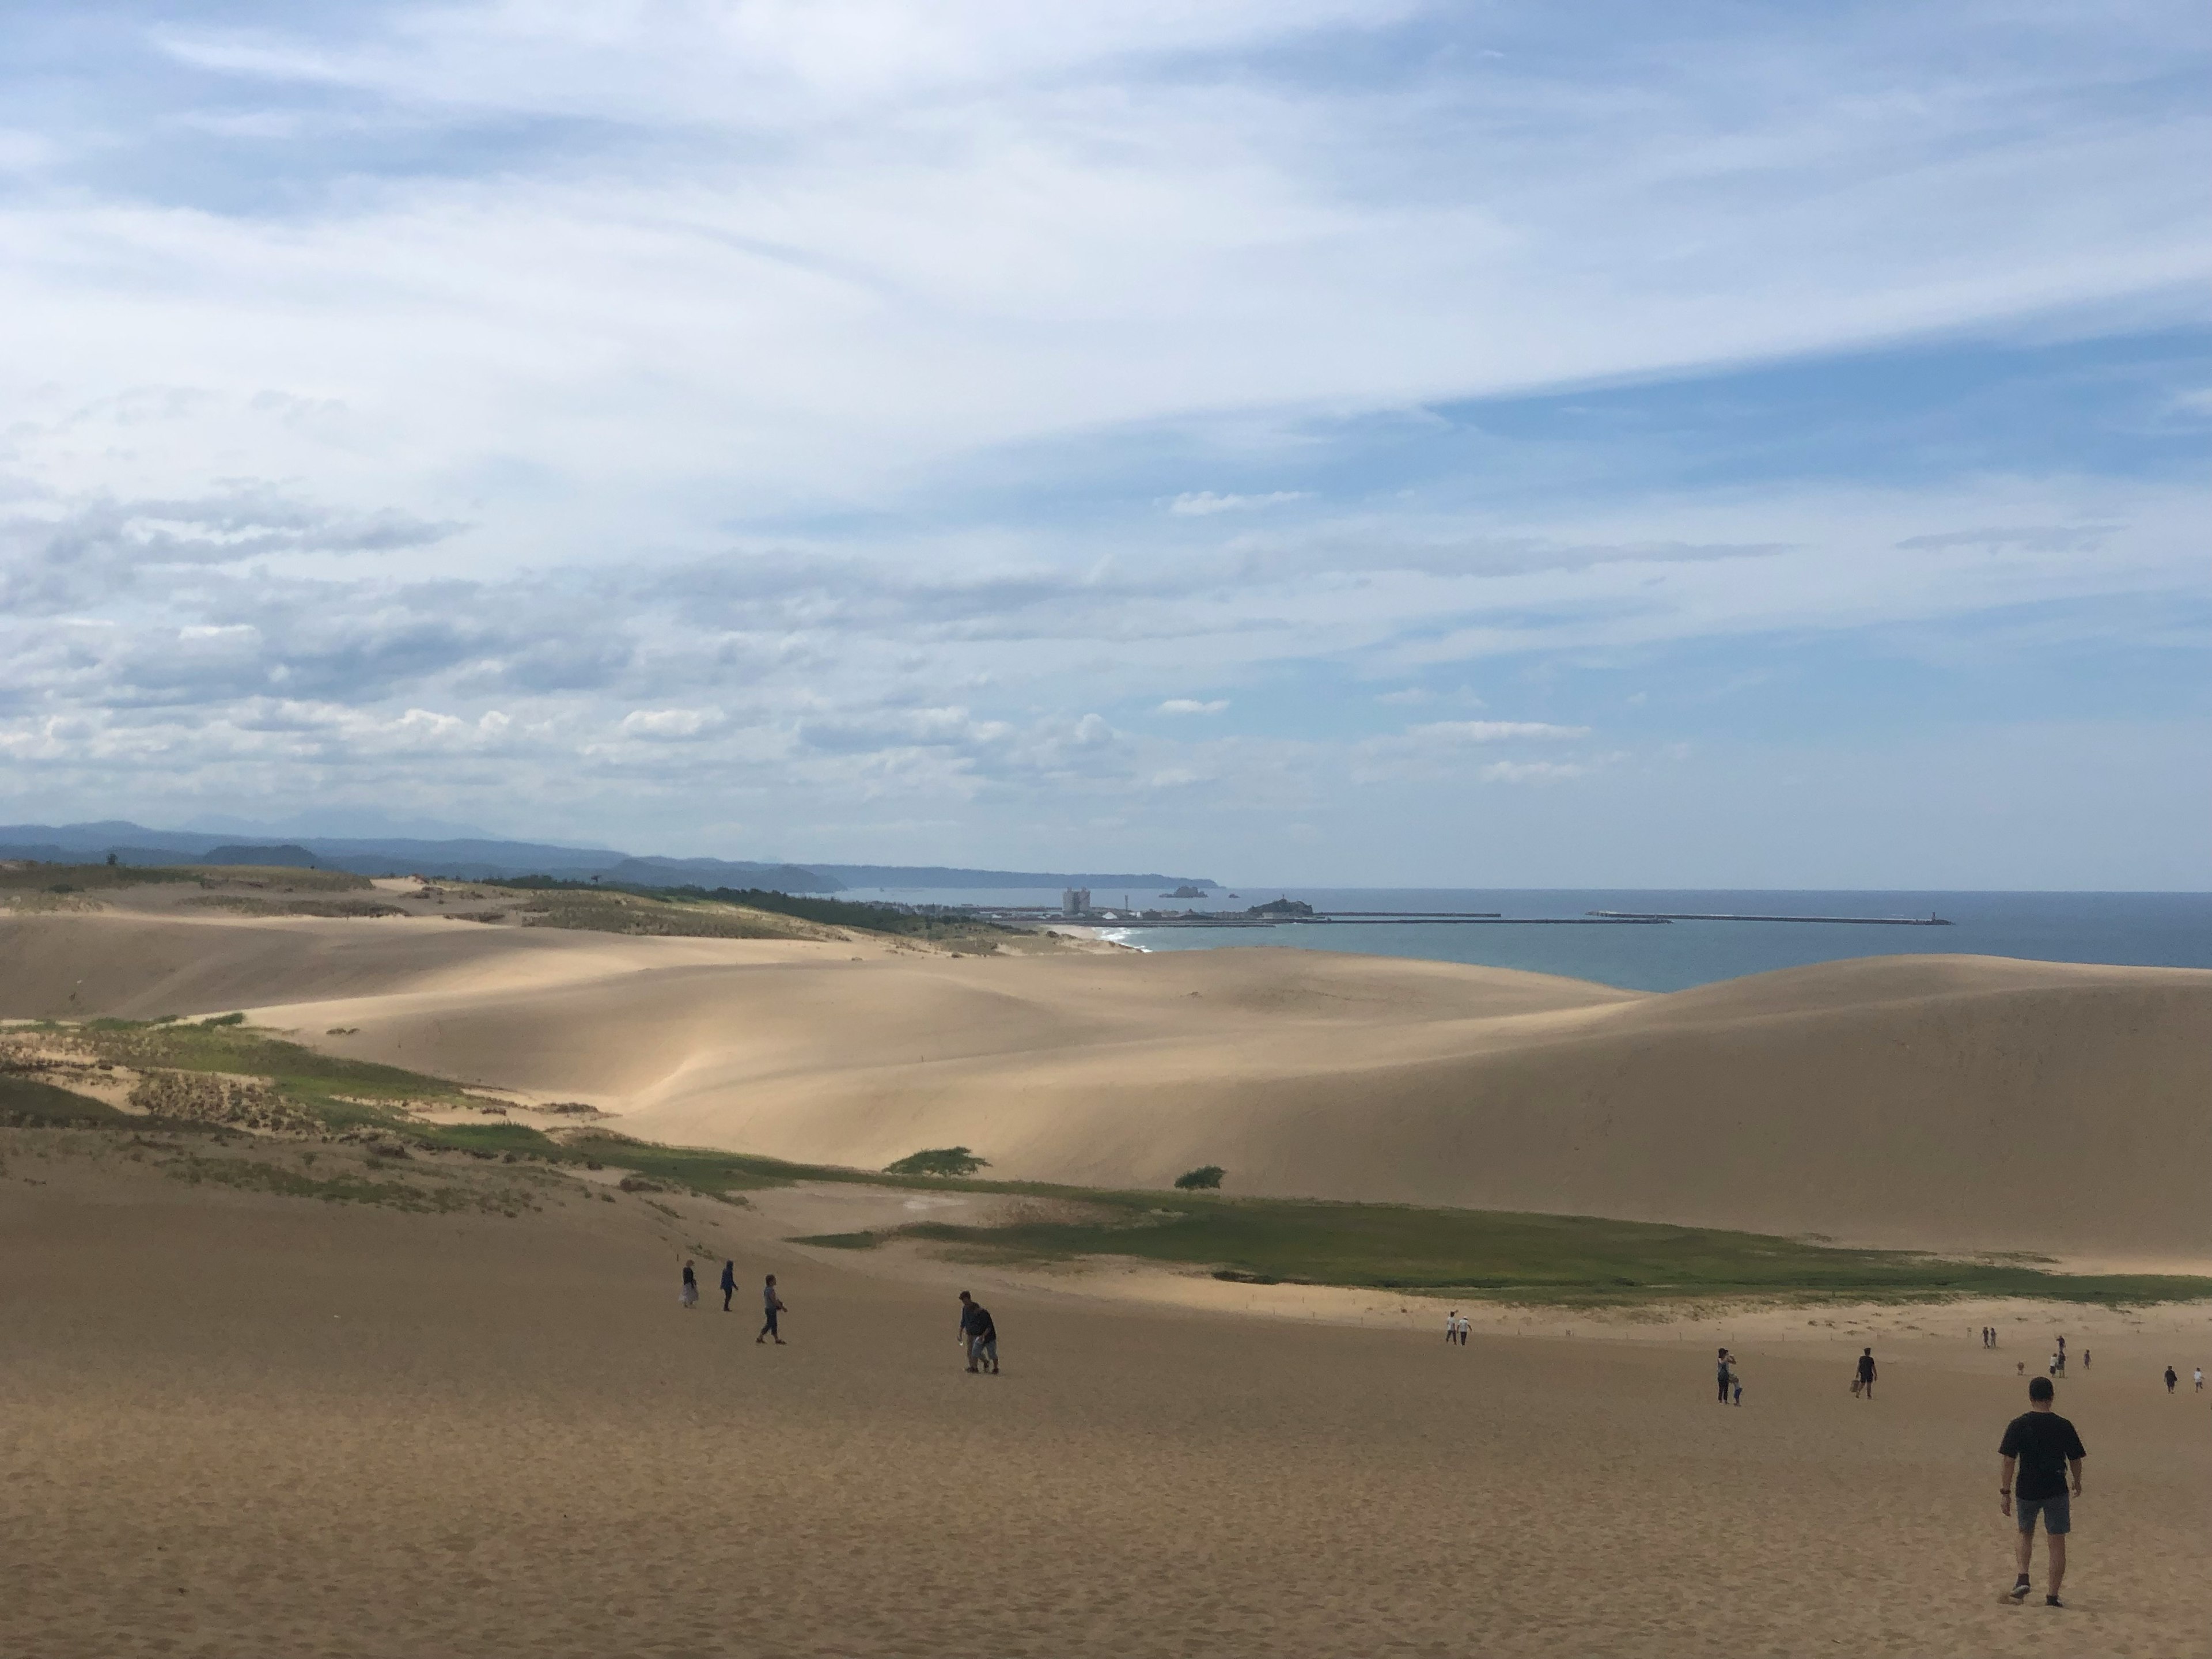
{"x":665,"y":723}
{"x":796,"y":392}
{"x":1454,"y":733}
{"x":1204,"y":503}
{"x":1532,"y":771}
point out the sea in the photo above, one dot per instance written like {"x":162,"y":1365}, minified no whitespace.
{"x":1551,"y":931}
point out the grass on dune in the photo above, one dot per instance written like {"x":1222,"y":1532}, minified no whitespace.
{"x":25,"y":1100}
{"x":1502,"y":1256}
{"x":1510,"y":1256}
{"x":342,"y":1093}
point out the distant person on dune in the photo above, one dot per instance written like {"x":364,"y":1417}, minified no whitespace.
{"x":1722,"y":1375}
{"x":1466,"y":1325}
{"x":2200,"y":1373}
{"x":771,"y":1305}
{"x":1736,"y":1382}
{"x":1451,"y":1326}
{"x":690,"y":1286}
{"x":2043,"y":1446}
{"x":2171,"y":1379}
{"x":1862,"y":1385}
{"x":729,"y":1284}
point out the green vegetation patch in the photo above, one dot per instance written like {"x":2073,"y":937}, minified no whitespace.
{"x":27,"y":877}
{"x":939,"y":1161}
{"x":25,"y":1101}
{"x":1513,"y":1257}
{"x":840,"y":1240}
{"x":606,"y":909}
{"x":697,"y":1169}
{"x":598,"y":905}
{"x":266,"y":904}
{"x":339,"y":1093}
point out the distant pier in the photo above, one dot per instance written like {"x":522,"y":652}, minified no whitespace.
{"x":1853,"y":921}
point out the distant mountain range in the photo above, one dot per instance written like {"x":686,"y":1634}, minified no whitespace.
{"x":489,"y":861}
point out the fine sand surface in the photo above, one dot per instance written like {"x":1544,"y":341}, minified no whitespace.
{"x":1940,"y":1102}
{"x":234,"y":1423}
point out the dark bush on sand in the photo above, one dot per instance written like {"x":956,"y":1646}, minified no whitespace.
{"x":939,"y":1161}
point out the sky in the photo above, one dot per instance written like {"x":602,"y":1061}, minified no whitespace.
{"x":1370,"y":444}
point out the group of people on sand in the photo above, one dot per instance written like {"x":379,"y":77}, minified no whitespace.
{"x":771,"y":1303}
{"x":1455,"y":1328}
{"x":2040,"y":1459}
{"x":979,"y":1332}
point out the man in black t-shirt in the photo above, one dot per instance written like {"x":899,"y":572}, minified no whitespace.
{"x":2043,"y":1446}
{"x":979,"y":1336}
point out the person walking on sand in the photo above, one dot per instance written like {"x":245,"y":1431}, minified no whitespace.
{"x":2200,"y":1373}
{"x":1451,"y":1328}
{"x":1736,"y":1384}
{"x":1466,"y":1329}
{"x":979,"y":1336}
{"x":729,"y":1284}
{"x":771,"y":1305}
{"x":1724,"y":1375}
{"x":2171,"y":1379}
{"x":690,"y":1286}
{"x":1867,"y":1374}
{"x":2043,"y":1447}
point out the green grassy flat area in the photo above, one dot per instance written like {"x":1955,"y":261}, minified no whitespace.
{"x":1517,"y":1257}
{"x":1502,"y":1256}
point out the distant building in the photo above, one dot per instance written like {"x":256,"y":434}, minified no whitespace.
{"x":1075,"y":902}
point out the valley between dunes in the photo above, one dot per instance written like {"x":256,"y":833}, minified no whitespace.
{"x":1951,"y":1103}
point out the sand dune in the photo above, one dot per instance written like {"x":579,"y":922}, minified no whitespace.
{"x":1942,"y":1101}
{"x":244,"y":1424}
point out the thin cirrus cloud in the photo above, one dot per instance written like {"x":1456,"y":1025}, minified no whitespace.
{"x":785,"y":415}
{"x":1204,"y":503}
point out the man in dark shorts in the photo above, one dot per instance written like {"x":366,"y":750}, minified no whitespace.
{"x":1866,"y":1374}
{"x":2172,"y":1377}
{"x":2043,"y":1446}
{"x":978,"y":1335}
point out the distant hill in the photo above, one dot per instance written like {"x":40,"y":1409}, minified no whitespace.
{"x":932,"y":875}
{"x":477,"y":859}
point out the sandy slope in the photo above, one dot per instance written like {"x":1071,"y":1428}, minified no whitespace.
{"x":1945,"y":1101}
{"x":249,"y":1425}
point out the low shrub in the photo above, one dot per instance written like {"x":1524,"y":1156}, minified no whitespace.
{"x":939,"y":1161}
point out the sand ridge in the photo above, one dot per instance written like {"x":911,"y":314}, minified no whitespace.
{"x":1947,"y":1101}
